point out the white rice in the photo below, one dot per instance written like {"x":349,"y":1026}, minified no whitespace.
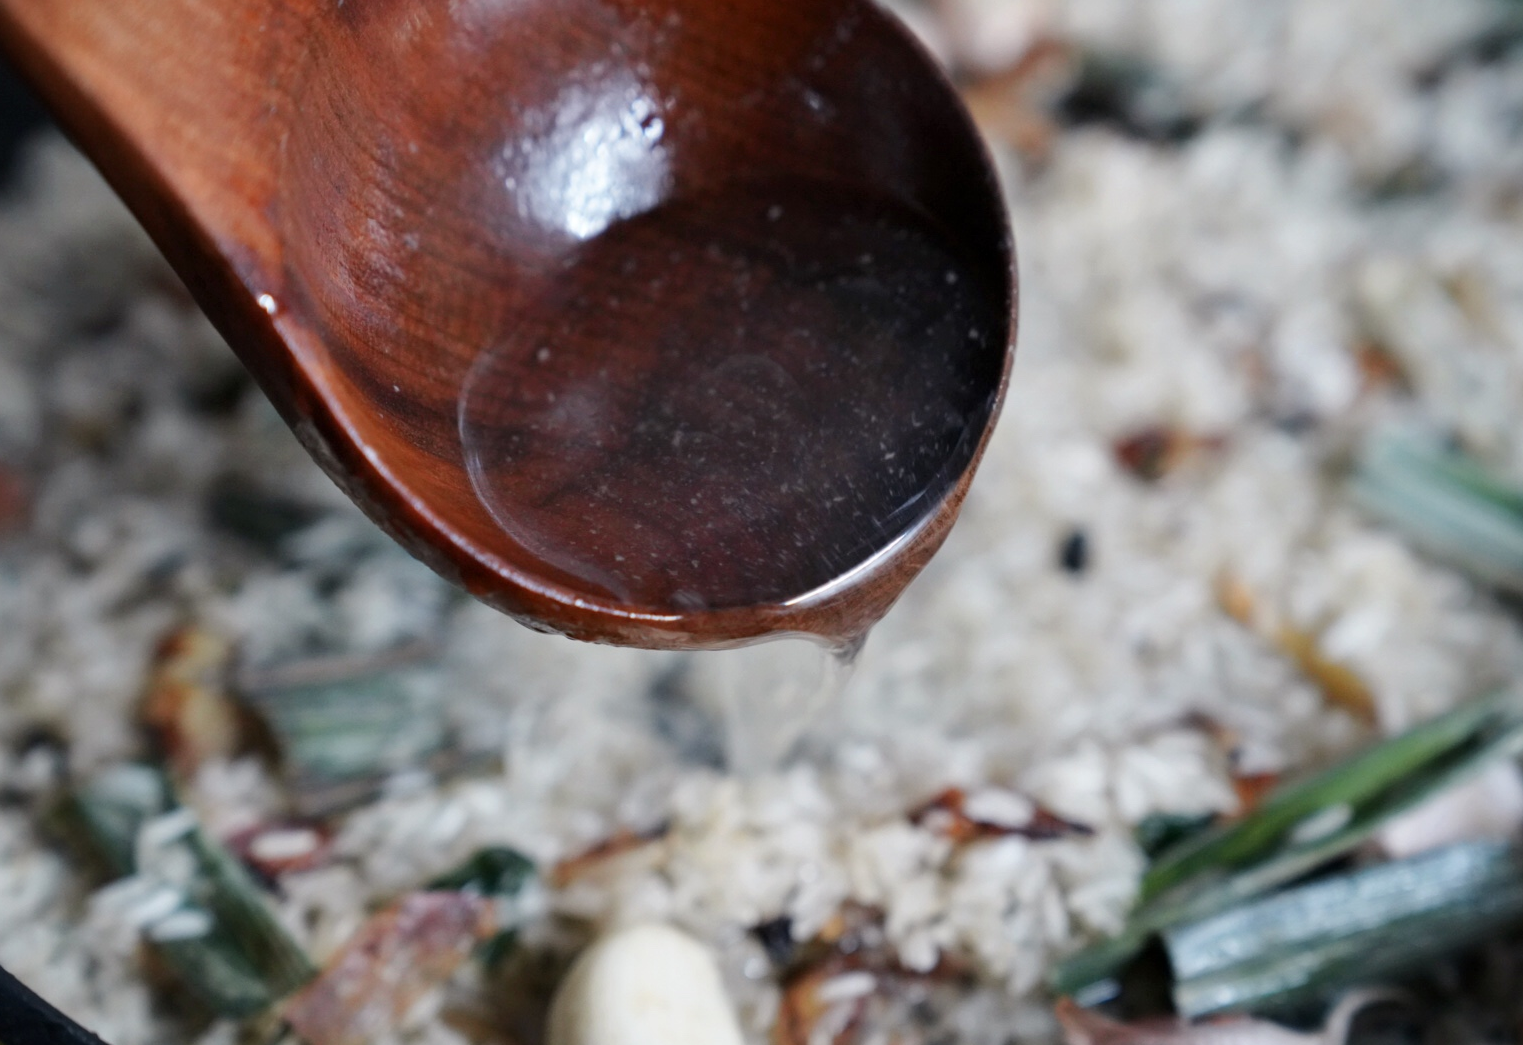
{"x":1220,"y":285}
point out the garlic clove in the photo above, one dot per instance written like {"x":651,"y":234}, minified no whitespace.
{"x":646,"y":985}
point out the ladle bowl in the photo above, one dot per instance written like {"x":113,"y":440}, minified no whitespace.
{"x":670,"y":323}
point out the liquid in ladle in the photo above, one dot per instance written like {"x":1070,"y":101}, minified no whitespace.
{"x":735,"y":399}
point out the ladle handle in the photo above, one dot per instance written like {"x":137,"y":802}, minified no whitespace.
{"x":177,"y":102}
{"x":182,"y":106}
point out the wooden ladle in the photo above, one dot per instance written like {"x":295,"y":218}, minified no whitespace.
{"x":668,"y":323}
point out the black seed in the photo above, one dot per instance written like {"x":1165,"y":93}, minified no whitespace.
{"x":1074,"y":555}
{"x":776,"y":938}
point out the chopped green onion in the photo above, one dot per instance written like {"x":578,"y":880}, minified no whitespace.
{"x":1386,"y":779}
{"x":1162,"y":831}
{"x":1230,"y":864}
{"x":1314,"y":940}
{"x":109,"y":811}
{"x":491,"y":872}
{"x":242,"y":961}
{"x":340,"y":738}
{"x":500,"y":874}
{"x":1447,"y":504}
{"x":220,"y":937}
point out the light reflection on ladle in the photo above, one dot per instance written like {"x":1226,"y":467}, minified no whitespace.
{"x":593,"y":156}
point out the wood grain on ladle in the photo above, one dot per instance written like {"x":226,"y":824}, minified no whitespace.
{"x":668,"y":323}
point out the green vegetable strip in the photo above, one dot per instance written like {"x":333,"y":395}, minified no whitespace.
{"x":247,"y":962}
{"x":1447,"y":504}
{"x":491,"y":872}
{"x":1363,"y":780}
{"x":244,"y":961}
{"x":1311,"y":941}
{"x":1100,"y":962}
{"x":1376,"y":786}
{"x":1405,"y":454}
{"x":1448,"y":769}
{"x":109,"y":810}
{"x":354,"y":728}
{"x":498,"y":873}
{"x":1163,"y":831}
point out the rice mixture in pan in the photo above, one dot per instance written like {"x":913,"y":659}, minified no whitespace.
{"x":1253,"y":232}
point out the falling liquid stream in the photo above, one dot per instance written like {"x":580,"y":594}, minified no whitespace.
{"x":767,"y":696}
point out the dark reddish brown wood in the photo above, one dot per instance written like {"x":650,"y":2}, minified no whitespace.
{"x":364,"y":194}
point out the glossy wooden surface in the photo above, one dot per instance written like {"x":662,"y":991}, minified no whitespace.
{"x":362,"y":194}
